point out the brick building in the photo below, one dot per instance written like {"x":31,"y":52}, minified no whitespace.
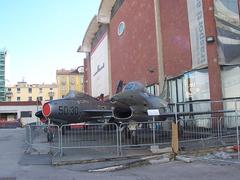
{"x":194,"y":43}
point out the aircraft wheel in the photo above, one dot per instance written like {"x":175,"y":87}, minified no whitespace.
{"x":45,"y":129}
{"x":50,"y":137}
{"x":127,"y":133}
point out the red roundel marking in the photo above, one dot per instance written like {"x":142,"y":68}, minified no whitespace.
{"x":46,"y":109}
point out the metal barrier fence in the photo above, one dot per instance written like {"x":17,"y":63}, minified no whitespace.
{"x":193,"y":134}
{"x":212,"y":132}
{"x":96,"y":136}
{"x":199,"y":133}
{"x":43,"y":138}
{"x":89,"y":136}
{"x":145,"y":134}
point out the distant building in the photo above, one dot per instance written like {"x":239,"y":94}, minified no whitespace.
{"x":2,"y":74}
{"x":18,"y":111}
{"x":31,"y":92}
{"x":69,"y":80}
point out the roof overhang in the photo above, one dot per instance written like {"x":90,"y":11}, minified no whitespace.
{"x":104,"y":11}
{"x":104,"y":17}
{"x":91,"y":31}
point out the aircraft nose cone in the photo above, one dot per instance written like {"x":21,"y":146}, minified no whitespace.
{"x":46,"y":110}
{"x":39,"y":114}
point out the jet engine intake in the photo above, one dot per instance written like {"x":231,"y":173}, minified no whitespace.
{"x":122,"y":112}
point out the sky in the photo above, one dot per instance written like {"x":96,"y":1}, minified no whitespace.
{"x":41,"y":36}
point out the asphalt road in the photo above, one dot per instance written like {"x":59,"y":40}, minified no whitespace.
{"x":12,"y":151}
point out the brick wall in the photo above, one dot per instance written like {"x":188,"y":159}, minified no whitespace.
{"x":175,"y":37}
{"x":134,"y":53}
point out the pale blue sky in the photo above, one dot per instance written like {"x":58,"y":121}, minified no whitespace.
{"x":42,"y":36}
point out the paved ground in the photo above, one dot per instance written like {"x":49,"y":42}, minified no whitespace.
{"x":12,"y":165}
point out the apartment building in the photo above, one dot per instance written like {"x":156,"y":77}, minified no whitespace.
{"x":31,"y":92}
{"x":69,"y":80}
{"x":3,"y":54}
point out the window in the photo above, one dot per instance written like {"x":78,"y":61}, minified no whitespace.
{"x":63,"y":81}
{"x":121,"y":28}
{"x":81,"y":80}
{"x":29,"y":90}
{"x":9,"y":89}
{"x":196,"y":85}
{"x":29,"y":98}
{"x":51,"y":89}
{"x":51,"y":98}
{"x":152,"y":89}
{"x":26,"y":113}
{"x":230,"y":81}
{"x":18,"y":99}
{"x":191,"y":86}
{"x":72,"y":87}
{"x":40,"y":98}
{"x":18,"y":90}
{"x":72,"y":81}
{"x":40,"y":90}
{"x":9,"y":99}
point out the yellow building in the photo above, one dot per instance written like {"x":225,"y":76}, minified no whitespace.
{"x":69,"y":80}
{"x":31,"y":92}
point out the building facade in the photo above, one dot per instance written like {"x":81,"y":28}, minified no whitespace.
{"x":21,"y":111}
{"x":69,"y":80}
{"x":31,"y":92}
{"x":2,"y":74}
{"x":193,"y":43}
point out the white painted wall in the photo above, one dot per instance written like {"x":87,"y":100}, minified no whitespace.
{"x":100,"y":69}
{"x":18,"y":109}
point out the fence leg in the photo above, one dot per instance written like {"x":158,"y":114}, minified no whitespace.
{"x":175,"y":141}
{"x":120,"y":140}
{"x":60,"y":141}
{"x":30,"y":139}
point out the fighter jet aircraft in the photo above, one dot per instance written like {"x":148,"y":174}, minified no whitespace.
{"x":133,"y":103}
{"x":129,"y":104}
{"x":76,"y":107}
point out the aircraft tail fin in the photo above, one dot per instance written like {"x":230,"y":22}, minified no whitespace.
{"x":165,"y":95}
{"x":119,"y":86}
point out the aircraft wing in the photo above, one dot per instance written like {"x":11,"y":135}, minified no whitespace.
{"x":96,"y":113}
{"x":172,"y":114}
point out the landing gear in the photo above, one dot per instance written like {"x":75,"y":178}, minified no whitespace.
{"x":130,"y":132}
{"x":50,"y":137}
{"x":111,"y":125}
{"x":50,"y":134}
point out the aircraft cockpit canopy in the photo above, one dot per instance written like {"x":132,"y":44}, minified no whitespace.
{"x":134,"y":86}
{"x":74,"y":94}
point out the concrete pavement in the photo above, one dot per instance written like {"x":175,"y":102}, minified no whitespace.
{"x":11,"y":166}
